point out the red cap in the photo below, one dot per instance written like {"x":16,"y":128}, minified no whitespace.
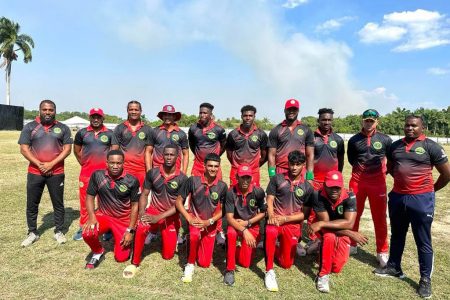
{"x":334,"y":179}
{"x":96,"y":111}
{"x":169,"y":109}
{"x":292,"y":103}
{"x":244,"y":170}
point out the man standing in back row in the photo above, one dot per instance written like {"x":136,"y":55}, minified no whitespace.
{"x":366,"y":153}
{"x":45,"y":143}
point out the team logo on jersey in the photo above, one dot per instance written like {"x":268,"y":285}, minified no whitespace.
{"x":175,"y":137}
{"x":340,"y":209}
{"x":173,"y":184}
{"x":214,"y":196}
{"x":333,"y":144}
{"x":104,"y":138}
{"x":377,"y":145}
{"x":300,"y":132}
{"x":57,"y":130}
{"x":419,"y":150}
{"x":254,"y":138}
{"x":211,"y":135}
{"x":141,"y":135}
{"x":299,"y":192}
{"x":123,"y":188}
{"x":81,"y":184}
{"x":252,"y":202}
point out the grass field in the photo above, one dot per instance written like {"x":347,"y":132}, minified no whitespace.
{"x":46,"y":270}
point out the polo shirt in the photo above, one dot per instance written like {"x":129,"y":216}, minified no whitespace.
{"x":247,"y":206}
{"x":246,"y":147}
{"x":335,"y":210}
{"x":327,"y":149}
{"x":162,"y":137}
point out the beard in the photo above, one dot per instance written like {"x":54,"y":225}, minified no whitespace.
{"x":47,"y":120}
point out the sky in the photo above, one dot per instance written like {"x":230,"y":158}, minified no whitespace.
{"x":346,"y":55}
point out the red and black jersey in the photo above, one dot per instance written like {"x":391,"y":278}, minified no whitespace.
{"x":367,"y":155}
{"x":46,"y":143}
{"x":94,"y":148}
{"x":245,"y":207}
{"x":289,"y":197}
{"x":205,"y":140}
{"x":205,"y":199}
{"x":412,"y":164}
{"x":133,"y":144}
{"x":161,"y":137}
{"x":327,"y":149}
{"x":164,"y":189}
{"x":336,"y":210}
{"x":114,"y":195}
{"x":286,"y":140}
{"x":246,"y":147}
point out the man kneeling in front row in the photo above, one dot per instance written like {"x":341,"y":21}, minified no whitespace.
{"x":336,"y":212}
{"x":118,"y":194}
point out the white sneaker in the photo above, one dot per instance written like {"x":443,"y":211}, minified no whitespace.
{"x":382,"y":259}
{"x":323,"y":284}
{"x":220,"y":238}
{"x":188,"y":272}
{"x":300,"y":250}
{"x":60,"y":237}
{"x":150,"y":237}
{"x":270,"y":281}
{"x":30,"y":239}
{"x":181,"y":239}
{"x":353,"y":250}
{"x":313,"y":247}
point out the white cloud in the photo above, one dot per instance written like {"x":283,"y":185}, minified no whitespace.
{"x":294,"y":3}
{"x":333,"y":24}
{"x":380,"y":99}
{"x":415,"y":30}
{"x":438,"y":71}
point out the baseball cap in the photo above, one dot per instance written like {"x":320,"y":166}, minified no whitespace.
{"x":334,"y":179}
{"x":169,"y":109}
{"x":96,"y":111}
{"x":370,"y":114}
{"x":244,"y":170}
{"x":292,"y":103}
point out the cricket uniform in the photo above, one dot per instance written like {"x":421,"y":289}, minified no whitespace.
{"x":286,"y":140}
{"x":46,"y":143}
{"x":243,"y":207}
{"x":94,"y":148}
{"x":162,"y":137}
{"x":289,"y":200}
{"x":335,"y":250}
{"x":206,"y":200}
{"x":367,"y":155}
{"x":114,"y":209}
{"x":412,"y":199}
{"x":246,"y":149}
{"x":164,"y":192}
{"x":133,"y":144}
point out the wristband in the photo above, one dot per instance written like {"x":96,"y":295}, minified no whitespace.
{"x":272,"y":171}
{"x":309,"y":175}
{"x":244,"y":229}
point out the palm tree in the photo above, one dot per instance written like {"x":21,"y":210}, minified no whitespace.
{"x":9,"y":38}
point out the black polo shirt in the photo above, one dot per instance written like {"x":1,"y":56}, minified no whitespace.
{"x":245,"y":207}
{"x":114,"y":195}
{"x":246,"y":147}
{"x":161,"y":137}
{"x":327,"y":149}
{"x":346,"y":203}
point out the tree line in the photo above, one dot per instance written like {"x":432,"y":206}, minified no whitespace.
{"x":437,"y":122}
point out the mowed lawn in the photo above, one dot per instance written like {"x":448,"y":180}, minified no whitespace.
{"x":46,"y":270}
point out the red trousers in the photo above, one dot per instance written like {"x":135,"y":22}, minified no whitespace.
{"x":82,"y":188}
{"x":242,"y":254}
{"x":378,"y":204}
{"x":334,"y":253}
{"x":169,"y":232}
{"x":289,"y":234}
{"x":105,"y":224}
{"x":201,"y":245}
{"x":255,"y":176}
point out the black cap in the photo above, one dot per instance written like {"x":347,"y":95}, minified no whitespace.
{"x":370,"y":114}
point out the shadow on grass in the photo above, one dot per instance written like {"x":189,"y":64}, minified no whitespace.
{"x":305,"y":264}
{"x":366,"y":258}
{"x":48,"y":221}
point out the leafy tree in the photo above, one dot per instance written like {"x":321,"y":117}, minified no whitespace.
{"x":10,"y":38}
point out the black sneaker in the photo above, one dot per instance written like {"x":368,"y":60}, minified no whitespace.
{"x":388,"y":271}
{"x":228,"y":279}
{"x":94,"y":262}
{"x":107,"y":236}
{"x":424,"y":289}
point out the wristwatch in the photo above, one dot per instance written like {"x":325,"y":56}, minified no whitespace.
{"x":131,"y":230}
{"x":211,"y":221}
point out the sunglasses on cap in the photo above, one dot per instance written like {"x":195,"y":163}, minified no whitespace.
{"x":370,"y":114}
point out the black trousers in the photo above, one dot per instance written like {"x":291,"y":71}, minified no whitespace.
{"x":35,"y":187}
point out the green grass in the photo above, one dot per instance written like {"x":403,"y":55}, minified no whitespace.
{"x":46,"y":270}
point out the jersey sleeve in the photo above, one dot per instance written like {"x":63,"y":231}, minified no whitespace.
{"x":186,"y":188}
{"x":78,"y":138}
{"x":223,"y":195}
{"x":191,"y":139}
{"x":272,"y":186}
{"x":317,"y":204}
{"x":222,"y":135}
{"x":260,"y":199}
{"x":340,"y":147}
{"x":113,"y":139}
{"x":273,"y":138}
{"x":230,"y":145}
{"x":264,"y":140}
{"x":309,"y":139}
{"x":67,"y":137}
{"x":183,"y":140}
{"x":229,"y":202}
{"x":25,"y":136}
{"x":351,"y":151}
{"x":93,"y":185}
{"x":309,"y":200}
{"x":135,"y":192}
{"x":151,"y":138}
{"x":350,"y":203}
{"x":148,"y":180}
{"x":118,"y":133}
{"x":437,"y":153}
{"x":149,"y":133}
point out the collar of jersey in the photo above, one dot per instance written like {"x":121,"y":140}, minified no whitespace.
{"x":344,"y":195}
{"x":139,"y":126}
{"x":368,"y":135}
{"x":238,"y":191}
{"x":297,"y":122}
{"x":253,"y":129}
{"x":89,"y":128}
{"x":38,"y":119}
{"x":174,"y":128}
{"x":205,"y":182}
{"x":205,"y":129}
{"x":163,"y":174}
{"x":323,"y":135}
{"x":120,"y":177}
